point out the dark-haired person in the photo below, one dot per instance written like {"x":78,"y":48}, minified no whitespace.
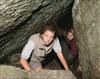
{"x":73,"y":58}
{"x":71,"y":42}
{"x":39,"y":45}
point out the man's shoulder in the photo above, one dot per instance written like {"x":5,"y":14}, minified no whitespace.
{"x":35,"y":36}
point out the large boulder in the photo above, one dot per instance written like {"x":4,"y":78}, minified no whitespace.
{"x":86,"y":16}
{"x":51,"y":74}
{"x":11,"y":72}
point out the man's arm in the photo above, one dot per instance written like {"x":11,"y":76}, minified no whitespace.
{"x":63,"y":61}
{"x":26,"y":54}
{"x":25,"y":64}
{"x":58,"y":51}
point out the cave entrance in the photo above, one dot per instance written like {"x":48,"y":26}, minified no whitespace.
{"x":65,"y":21}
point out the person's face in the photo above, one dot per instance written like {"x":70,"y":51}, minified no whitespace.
{"x":70,"y":36}
{"x":48,"y":37}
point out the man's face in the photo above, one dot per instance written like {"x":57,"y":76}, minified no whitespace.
{"x":48,"y":37}
{"x":70,"y":36}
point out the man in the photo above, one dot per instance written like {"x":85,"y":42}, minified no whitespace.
{"x":39,"y":45}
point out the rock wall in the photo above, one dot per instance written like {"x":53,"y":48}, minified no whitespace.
{"x":86,"y":16}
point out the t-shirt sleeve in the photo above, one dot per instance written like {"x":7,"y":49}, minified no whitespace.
{"x":57,"y":46}
{"x":27,"y":50}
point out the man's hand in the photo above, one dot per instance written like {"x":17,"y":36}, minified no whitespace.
{"x":63,"y":61}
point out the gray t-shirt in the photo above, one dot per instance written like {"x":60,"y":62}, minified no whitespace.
{"x":32,"y":45}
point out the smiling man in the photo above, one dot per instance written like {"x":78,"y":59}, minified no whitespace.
{"x":39,"y":45}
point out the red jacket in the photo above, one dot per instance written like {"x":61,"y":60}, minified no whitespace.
{"x":73,"y":47}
